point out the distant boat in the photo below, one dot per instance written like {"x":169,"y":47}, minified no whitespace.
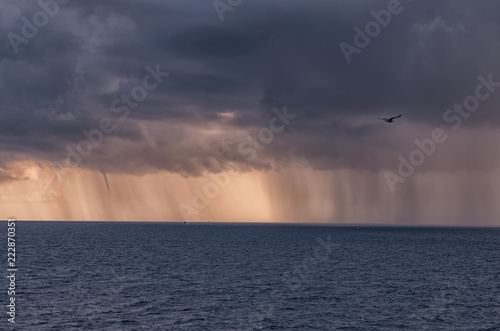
{"x":357,"y":228}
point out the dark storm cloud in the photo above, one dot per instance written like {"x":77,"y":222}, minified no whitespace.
{"x":265,"y":54}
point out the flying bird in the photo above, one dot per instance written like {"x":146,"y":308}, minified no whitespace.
{"x":390,"y":120}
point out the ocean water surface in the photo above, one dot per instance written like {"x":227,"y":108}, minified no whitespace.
{"x":161,"y":276}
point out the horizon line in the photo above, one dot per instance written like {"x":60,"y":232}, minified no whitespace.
{"x":366,"y":225}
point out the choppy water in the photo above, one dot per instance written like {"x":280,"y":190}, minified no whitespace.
{"x":132,"y":276}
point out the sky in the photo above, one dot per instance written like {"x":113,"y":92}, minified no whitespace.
{"x":255,"y":111}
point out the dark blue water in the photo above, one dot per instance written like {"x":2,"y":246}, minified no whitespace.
{"x":132,"y":276}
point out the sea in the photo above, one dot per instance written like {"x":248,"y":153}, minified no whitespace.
{"x":176,"y":276}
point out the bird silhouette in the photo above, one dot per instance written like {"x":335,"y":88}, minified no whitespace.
{"x":391,"y":119}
